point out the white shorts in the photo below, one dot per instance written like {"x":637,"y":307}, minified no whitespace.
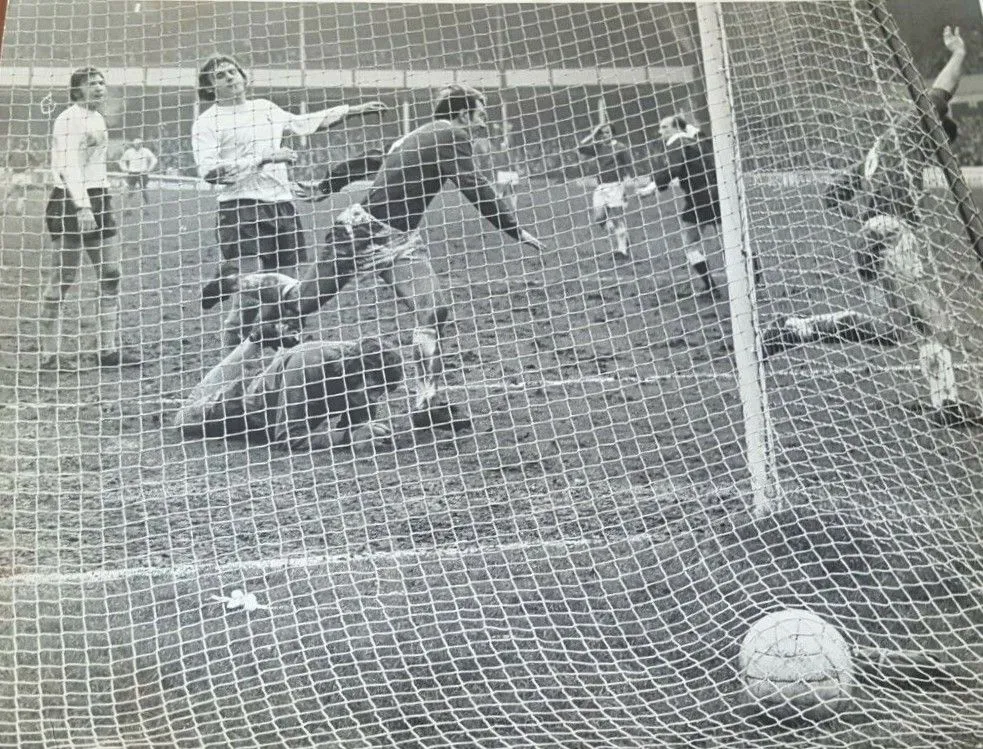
{"x":376,"y":245}
{"x":21,"y":179}
{"x":609,"y":195}
{"x":506,"y":178}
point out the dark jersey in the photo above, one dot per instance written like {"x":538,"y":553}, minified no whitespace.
{"x":690,"y":160}
{"x":302,"y":388}
{"x":613,"y":160}
{"x":889,"y":181}
{"x":415,"y":170}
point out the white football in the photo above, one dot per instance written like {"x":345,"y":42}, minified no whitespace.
{"x":793,"y":662}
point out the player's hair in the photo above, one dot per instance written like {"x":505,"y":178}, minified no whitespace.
{"x":375,"y":364}
{"x":454,"y":99}
{"x":79,"y":78}
{"x":206,"y":83}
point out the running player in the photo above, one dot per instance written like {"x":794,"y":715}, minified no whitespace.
{"x":883,"y":193}
{"x":614,"y":174}
{"x":237,"y":144}
{"x":380,"y":234}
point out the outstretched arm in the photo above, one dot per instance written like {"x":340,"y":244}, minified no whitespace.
{"x":948,"y":78}
{"x":460,"y":167}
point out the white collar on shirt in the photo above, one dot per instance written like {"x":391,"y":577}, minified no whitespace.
{"x":690,"y":132}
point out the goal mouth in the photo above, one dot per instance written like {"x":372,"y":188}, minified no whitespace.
{"x":650,"y":391}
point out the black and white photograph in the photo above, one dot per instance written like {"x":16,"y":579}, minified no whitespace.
{"x":473,"y":375}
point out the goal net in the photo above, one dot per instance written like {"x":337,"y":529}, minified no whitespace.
{"x":636,"y":468}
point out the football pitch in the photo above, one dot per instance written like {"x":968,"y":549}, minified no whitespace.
{"x":575,"y":572}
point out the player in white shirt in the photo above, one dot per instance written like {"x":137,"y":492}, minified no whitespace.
{"x":79,"y":217}
{"x":137,"y":162}
{"x":238,"y":144}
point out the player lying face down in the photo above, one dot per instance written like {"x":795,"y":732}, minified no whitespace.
{"x":286,"y":395}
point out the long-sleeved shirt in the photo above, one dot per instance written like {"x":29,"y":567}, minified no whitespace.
{"x":889,"y":180}
{"x":236,"y":137}
{"x":79,"y":145}
{"x":689,"y":159}
{"x":415,"y":170}
{"x":138,"y":161}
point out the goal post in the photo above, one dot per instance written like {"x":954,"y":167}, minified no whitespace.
{"x":740,"y":264}
{"x":637,"y":513}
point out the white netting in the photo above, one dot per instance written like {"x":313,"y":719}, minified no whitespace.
{"x":580,"y":568}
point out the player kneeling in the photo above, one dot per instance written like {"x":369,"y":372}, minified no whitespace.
{"x":287,"y":394}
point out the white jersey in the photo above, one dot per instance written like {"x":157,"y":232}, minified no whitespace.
{"x":79,"y":145}
{"x":138,"y":160}
{"x":238,"y":136}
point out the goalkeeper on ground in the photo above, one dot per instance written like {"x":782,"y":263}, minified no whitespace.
{"x":883,"y":193}
{"x":285,"y":395}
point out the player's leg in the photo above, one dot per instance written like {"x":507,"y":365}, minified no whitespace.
{"x":693,"y":247}
{"x":214,"y":406}
{"x":843,"y":326}
{"x":617,"y":228}
{"x":238,"y":237}
{"x":282,"y":240}
{"x":413,"y":280}
{"x":67,"y":260}
{"x":62,"y":224}
{"x":144,"y":185}
{"x":104,"y":250}
{"x":909,"y":294}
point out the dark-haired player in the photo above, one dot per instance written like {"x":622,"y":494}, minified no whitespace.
{"x":286,"y":395}
{"x":79,"y":218}
{"x":689,"y":159}
{"x":883,"y":193}
{"x":238,"y":144}
{"x":614,"y":172}
{"x":379,"y":234}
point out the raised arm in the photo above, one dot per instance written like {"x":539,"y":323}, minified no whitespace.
{"x":948,"y":78}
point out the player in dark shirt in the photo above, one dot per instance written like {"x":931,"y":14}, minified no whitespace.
{"x":884,"y":192}
{"x":378,"y":234}
{"x":614,"y":174}
{"x":689,"y":159}
{"x":284,"y":396}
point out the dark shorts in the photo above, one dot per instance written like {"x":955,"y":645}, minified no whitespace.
{"x":271,"y":231}
{"x":61,"y":216}
{"x":701,"y":208}
{"x":137,"y":180}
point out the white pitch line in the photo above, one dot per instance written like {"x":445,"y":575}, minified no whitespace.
{"x":306,"y":561}
{"x":622,"y":379}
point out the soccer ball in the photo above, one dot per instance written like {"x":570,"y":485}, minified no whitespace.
{"x":793,"y":663}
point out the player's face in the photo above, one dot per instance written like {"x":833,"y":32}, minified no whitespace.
{"x":93,"y":91}
{"x":666,"y":128}
{"x":606,"y":133}
{"x":478,"y":120}
{"x":229,"y":85}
